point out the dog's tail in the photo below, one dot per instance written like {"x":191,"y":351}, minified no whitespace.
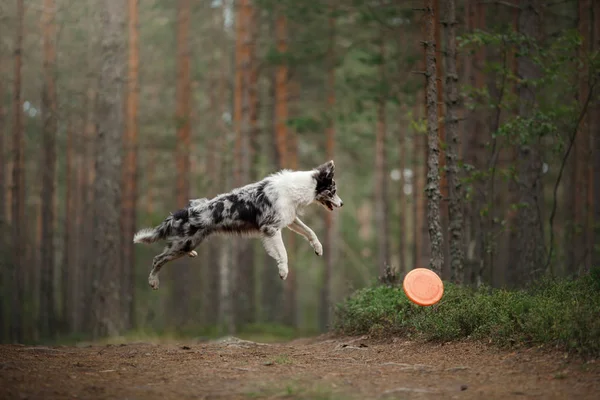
{"x":151,"y":235}
{"x":146,"y":235}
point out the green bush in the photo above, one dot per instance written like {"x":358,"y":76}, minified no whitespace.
{"x":563,"y":313}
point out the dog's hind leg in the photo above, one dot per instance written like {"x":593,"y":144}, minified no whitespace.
{"x":302,"y":229}
{"x":273,"y":244}
{"x":169,"y":254}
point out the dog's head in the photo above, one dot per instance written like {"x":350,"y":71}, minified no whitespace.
{"x":326,"y":192}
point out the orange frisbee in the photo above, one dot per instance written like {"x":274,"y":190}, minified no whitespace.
{"x":423,"y":287}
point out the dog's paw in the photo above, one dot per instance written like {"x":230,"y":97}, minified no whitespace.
{"x":318,"y":248}
{"x":283,"y":273}
{"x":193,"y":254}
{"x":153,"y":282}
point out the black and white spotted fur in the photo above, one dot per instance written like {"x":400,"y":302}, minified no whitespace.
{"x":260,"y":209}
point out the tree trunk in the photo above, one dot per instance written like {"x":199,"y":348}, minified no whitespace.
{"x":106,"y":308}
{"x":325,"y":303}
{"x":4,"y":226}
{"x":129,"y":178}
{"x":86,"y":231}
{"x":47,"y":317}
{"x":182,"y":153}
{"x":595,"y":134}
{"x":291,"y":283}
{"x":272,"y":298}
{"x":381,"y":197}
{"x":455,"y":210}
{"x":18,"y":188}
{"x":441,"y":133}
{"x":69,"y":274}
{"x":433,"y":178}
{"x":281,"y":93}
{"x":528,"y":245}
{"x":243,"y":117}
{"x":403,"y":212}
{"x":582,"y":142}
{"x":421,"y":251}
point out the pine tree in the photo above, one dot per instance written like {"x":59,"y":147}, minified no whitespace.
{"x":433,"y":179}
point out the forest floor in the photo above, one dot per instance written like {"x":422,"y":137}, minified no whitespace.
{"x":323,"y":368}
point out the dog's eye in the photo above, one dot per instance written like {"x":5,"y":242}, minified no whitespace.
{"x":333,"y":191}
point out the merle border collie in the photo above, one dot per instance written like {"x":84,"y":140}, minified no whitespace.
{"x":260,"y":209}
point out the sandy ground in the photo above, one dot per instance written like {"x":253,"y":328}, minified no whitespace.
{"x":318,"y":368}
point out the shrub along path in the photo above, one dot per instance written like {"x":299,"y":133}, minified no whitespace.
{"x":320,"y":368}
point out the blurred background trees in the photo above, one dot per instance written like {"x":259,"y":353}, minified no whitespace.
{"x":114,"y":113}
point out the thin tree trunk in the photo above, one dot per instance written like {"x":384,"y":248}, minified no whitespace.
{"x":381,"y":198}
{"x":291,"y":283}
{"x":528,"y":250}
{"x":582,"y":143}
{"x":182,"y":152}
{"x":86,"y":231}
{"x":106,"y":307}
{"x":272,"y":298}
{"x":129,"y":179}
{"x":418,"y":160}
{"x":433,"y":178}
{"x":439,"y":57}
{"x":325,"y":306}
{"x":595,"y":134}
{"x":4,"y":242}
{"x":281,"y":92}
{"x":68,"y":273}
{"x":243,"y":115}
{"x":455,"y":210}
{"x":47,"y":317}
{"x":18,"y":188}
{"x":403,"y":212}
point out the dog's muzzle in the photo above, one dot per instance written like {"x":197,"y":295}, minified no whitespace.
{"x":336,"y":202}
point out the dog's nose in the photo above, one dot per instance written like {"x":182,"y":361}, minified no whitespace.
{"x":341,"y":204}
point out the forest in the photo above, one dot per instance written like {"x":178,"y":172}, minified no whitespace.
{"x":465,"y":135}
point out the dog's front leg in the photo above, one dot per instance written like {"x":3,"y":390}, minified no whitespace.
{"x":302,"y":229}
{"x":274,"y":246}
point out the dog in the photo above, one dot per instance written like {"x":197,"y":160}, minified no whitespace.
{"x":259,"y":209}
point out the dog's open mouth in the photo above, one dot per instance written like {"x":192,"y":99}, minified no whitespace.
{"x":329,"y":205}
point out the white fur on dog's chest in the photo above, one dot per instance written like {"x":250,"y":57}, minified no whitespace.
{"x":294,"y":190}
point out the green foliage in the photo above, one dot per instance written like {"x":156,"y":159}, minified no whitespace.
{"x":559,"y":313}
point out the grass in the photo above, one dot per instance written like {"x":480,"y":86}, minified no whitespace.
{"x":263,"y":333}
{"x":562,"y":313}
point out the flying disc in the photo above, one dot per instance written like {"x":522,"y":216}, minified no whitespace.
{"x":423,"y":287}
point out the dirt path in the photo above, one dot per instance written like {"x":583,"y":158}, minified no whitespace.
{"x":323,"y":368}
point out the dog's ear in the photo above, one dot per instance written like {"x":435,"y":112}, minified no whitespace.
{"x":327,"y":169}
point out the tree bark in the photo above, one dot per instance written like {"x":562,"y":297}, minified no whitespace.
{"x":244,"y":119}
{"x":528,"y":245}
{"x":182,"y":152}
{"x":281,"y":92}
{"x":455,"y":209}
{"x":595,"y":134}
{"x":403,"y":212}
{"x":419,"y":157}
{"x":440,"y":55}
{"x":129,"y":177}
{"x":18,"y":187}
{"x":325,"y":303}
{"x":582,"y":147}
{"x":106,"y":308}
{"x":381,"y":197}
{"x":69,"y":274}
{"x":4,"y":225}
{"x":47,"y":317}
{"x":433,"y":178}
